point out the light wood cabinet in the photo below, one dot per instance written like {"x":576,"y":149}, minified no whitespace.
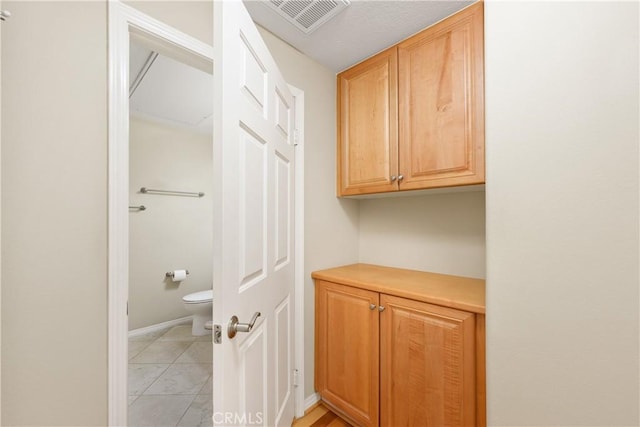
{"x":427,"y":364}
{"x":436,"y":109}
{"x":348,"y":332}
{"x":368,"y":125}
{"x":441,"y":109}
{"x":386,"y":355}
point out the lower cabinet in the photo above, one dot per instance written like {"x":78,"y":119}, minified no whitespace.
{"x":427,"y":364}
{"x":347,"y":360}
{"x":391,"y":361}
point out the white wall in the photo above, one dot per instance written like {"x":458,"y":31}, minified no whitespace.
{"x":443,"y":233}
{"x":54,"y":214}
{"x":174,"y":232}
{"x":562,"y":112}
{"x":331,"y":224}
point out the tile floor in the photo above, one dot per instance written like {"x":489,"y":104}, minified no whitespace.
{"x":170,"y":379}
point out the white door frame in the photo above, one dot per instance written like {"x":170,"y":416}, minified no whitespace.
{"x":299,"y":252}
{"x":123,"y":21}
{"x":1,"y":217}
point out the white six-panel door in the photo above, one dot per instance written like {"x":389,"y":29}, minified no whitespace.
{"x":254,"y":226}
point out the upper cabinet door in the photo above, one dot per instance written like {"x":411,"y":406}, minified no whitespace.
{"x":368,"y":126}
{"x":441,"y":109}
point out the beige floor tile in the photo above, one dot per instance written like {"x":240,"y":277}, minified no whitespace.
{"x":198,"y":352}
{"x":161,"y":352}
{"x":142,"y":375}
{"x":178,"y":333}
{"x":199,"y":414}
{"x":135,"y":347}
{"x":158,"y":411}
{"x":181,"y":379}
{"x":207,"y":337}
{"x":207,"y":388}
{"x":151,"y":336}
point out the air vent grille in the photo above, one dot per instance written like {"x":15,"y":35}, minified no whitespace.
{"x":307,"y":15}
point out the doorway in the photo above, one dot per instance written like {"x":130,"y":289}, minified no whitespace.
{"x":125,"y":24}
{"x":154,"y":120}
{"x":170,"y":239}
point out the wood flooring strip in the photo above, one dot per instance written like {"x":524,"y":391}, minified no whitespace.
{"x":325,"y":420}
{"x":339,"y":422}
{"x":311,"y":416}
{"x":320,"y":416}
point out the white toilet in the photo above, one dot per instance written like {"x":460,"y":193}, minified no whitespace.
{"x":200,"y":305}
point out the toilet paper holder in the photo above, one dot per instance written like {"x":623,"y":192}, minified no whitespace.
{"x":172,"y":274}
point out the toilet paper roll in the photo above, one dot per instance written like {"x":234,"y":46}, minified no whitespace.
{"x":179,"y":275}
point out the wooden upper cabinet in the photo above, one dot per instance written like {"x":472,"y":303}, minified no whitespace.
{"x":368,"y":126}
{"x":441,"y":109}
{"x":412,"y":116}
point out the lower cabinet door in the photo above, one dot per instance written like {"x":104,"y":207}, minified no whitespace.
{"x":347,"y":343}
{"x":427,"y":358}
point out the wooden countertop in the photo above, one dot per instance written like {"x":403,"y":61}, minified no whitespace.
{"x":463,"y":293}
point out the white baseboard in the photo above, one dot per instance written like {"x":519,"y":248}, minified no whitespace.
{"x":309,"y":401}
{"x":159,"y":326}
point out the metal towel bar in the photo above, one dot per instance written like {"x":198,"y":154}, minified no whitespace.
{"x":146,"y":190}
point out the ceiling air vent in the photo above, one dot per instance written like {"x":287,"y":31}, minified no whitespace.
{"x":307,"y":15}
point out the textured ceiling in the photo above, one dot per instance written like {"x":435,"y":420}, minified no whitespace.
{"x":364,"y":28}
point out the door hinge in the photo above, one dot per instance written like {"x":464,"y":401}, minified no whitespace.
{"x":296,"y":137}
{"x":295,"y":378}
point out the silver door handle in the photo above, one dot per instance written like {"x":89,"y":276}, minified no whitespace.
{"x":235,"y":326}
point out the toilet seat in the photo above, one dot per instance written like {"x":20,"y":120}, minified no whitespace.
{"x":201,"y":297}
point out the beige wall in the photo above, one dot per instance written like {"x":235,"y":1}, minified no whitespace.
{"x":0,"y":228}
{"x":192,"y":17}
{"x":54,"y":206}
{"x":562,"y":213}
{"x":54,"y":214}
{"x":174,"y":232}
{"x":562,"y":209}
{"x":331,"y":225}
{"x":443,"y":233}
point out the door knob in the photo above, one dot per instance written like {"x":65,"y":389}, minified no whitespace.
{"x":235,"y":326}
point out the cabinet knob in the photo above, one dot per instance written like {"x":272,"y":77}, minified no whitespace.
{"x":381,"y":308}
{"x":372,"y":306}
{"x":400,"y":177}
{"x":393,"y":178}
